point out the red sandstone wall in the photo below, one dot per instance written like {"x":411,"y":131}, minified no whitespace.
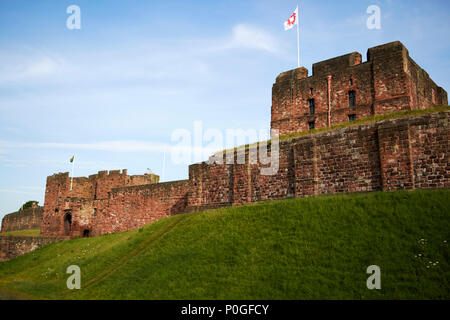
{"x":132,"y":207}
{"x":56,"y":190}
{"x":340,"y":161}
{"x":211,"y":184}
{"x":346,"y":160}
{"x":392,"y":85}
{"x":425,"y":93}
{"x":104,"y":182}
{"x":30,"y":218}
{"x":125,"y":208}
{"x":59,"y":197}
{"x":396,"y":154}
{"x":12,"y":247}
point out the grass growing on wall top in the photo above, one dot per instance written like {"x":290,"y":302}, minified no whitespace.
{"x":311,"y":248}
{"x":388,"y":116}
{"x":26,"y":232}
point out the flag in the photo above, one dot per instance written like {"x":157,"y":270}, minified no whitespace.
{"x":292,"y":21}
{"x":71,"y":159}
{"x":289,"y":24}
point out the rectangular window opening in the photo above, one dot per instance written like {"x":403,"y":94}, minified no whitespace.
{"x":312,"y":106}
{"x":351,"y":98}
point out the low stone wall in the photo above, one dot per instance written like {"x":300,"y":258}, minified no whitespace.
{"x":12,"y":246}
{"x":30,"y":218}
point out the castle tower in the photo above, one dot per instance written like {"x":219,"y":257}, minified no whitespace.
{"x":344,"y":89}
{"x":72,"y":212}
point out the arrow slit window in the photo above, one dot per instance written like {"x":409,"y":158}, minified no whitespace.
{"x":312,"y":106}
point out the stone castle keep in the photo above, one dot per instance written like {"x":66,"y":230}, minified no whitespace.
{"x":344,"y":89}
{"x":402,"y":153}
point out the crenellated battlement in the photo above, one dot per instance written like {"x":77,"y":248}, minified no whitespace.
{"x":64,"y":194}
{"x":337,"y":64}
{"x":344,"y":89}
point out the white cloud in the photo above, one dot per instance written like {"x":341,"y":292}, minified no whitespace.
{"x":29,"y":66}
{"x":82,"y":164}
{"x":33,"y":188}
{"x":117,"y":146}
{"x":114,"y":146}
{"x":44,"y":66}
{"x":250,"y":37}
{"x":92,"y":68}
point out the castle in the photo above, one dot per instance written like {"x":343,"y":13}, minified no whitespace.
{"x":402,"y":153}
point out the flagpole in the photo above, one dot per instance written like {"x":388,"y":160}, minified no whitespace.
{"x":298,"y":40}
{"x":164,"y":167}
{"x":71,"y":179}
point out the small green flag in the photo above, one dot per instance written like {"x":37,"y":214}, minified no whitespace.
{"x":71,"y":159}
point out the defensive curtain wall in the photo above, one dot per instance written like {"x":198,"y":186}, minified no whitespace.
{"x":397,"y":154}
{"x":402,"y":153}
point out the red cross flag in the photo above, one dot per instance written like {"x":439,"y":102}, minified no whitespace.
{"x":292,"y":21}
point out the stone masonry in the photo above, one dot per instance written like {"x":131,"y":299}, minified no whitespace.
{"x":403,"y":153}
{"x":30,"y":218}
{"x":343,"y":89}
{"x":85,"y":198}
{"x":14,"y":246}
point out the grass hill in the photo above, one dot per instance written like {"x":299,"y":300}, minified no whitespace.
{"x":313,"y":248}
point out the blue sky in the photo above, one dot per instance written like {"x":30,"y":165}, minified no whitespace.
{"x":113,"y":92}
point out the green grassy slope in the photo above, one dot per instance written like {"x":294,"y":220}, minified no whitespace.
{"x":290,"y":249}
